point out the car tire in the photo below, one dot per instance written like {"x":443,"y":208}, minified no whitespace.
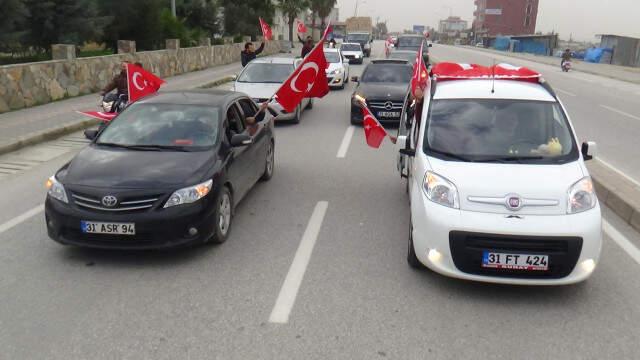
{"x":309,"y":105}
{"x":296,"y":118}
{"x":412,"y":259}
{"x":223,"y":216}
{"x":355,"y":122}
{"x":270,"y":163}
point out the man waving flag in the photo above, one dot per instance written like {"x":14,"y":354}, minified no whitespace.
{"x":141,"y":82}
{"x":420,"y":75}
{"x":266,"y":30}
{"x":309,"y":80}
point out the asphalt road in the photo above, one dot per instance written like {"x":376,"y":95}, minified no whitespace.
{"x":314,"y":269}
{"x":602,"y":109}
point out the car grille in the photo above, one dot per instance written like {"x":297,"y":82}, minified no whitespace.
{"x":124,"y":205}
{"x":467,"y":249}
{"x":382,"y":105}
{"x":350,"y":56}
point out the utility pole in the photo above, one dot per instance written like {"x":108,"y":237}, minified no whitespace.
{"x":173,"y":8}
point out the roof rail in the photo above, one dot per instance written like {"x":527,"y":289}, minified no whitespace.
{"x":545,"y":84}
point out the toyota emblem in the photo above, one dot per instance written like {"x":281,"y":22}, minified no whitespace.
{"x":388,"y":105}
{"x":513,"y":202}
{"x":109,"y":201}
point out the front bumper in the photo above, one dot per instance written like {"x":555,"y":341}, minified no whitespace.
{"x":336,"y":81}
{"x":357,"y":117}
{"x":451,"y":242}
{"x":155,"y":229}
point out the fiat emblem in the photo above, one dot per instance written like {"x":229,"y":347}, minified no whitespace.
{"x":513,"y":202}
{"x":109,"y":201}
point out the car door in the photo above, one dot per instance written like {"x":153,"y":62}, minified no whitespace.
{"x":239,"y":166}
{"x":258,"y":149}
{"x":404,"y":129}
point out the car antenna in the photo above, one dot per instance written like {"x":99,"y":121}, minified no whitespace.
{"x":493,"y":77}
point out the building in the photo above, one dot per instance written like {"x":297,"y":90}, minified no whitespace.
{"x":625,"y":50}
{"x":532,"y":44}
{"x":505,"y":17}
{"x":452,"y":25}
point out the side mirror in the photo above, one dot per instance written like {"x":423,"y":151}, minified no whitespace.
{"x":430,"y":45}
{"x":239,"y":140}
{"x":355,"y":79}
{"x":234,"y":77}
{"x":589,"y":150}
{"x":90,"y":134}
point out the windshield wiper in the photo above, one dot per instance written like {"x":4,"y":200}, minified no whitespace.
{"x":145,"y":147}
{"x":516,"y":159}
{"x":451,"y":155}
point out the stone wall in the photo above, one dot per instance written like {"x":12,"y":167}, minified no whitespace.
{"x":25,"y":85}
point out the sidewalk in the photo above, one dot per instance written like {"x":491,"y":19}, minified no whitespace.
{"x":36,"y":124}
{"x":623,"y":73}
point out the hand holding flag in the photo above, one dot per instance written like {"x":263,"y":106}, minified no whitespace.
{"x":266,"y":30}
{"x":141,"y":82}
{"x":374,"y":132}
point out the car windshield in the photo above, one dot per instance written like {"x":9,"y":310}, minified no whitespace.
{"x":410,"y":41}
{"x":387,"y":73}
{"x":409,"y":56}
{"x":265,"y":73}
{"x":499,"y":130}
{"x":350,"y":47}
{"x":163,"y":125}
{"x":332,"y":56}
{"x":358,"y":37}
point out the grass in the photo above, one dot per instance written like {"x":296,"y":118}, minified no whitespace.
{"x":98,"y":52}
{"x":9,"y":59}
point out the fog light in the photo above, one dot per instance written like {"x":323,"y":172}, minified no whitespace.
{"x":588,"y":266}
{"x":51,"y":223}
{"x":434,"y":256}
{"x":193,"y":231}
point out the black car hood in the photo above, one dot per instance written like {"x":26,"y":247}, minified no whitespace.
{"x":95,"y":166}
{"x":381,"y":91}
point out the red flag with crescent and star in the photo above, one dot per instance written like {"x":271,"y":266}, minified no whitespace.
{"x":309,"y":80}
{"x":374,"y":132}
{"x":99,"y":115}
{"x":420,"y":75}
{"x":141,"y":82}
{"x":266,"y":30}
{"x":301,"y":27}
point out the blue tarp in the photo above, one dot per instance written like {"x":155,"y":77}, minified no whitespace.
{"x":531,"y":47}
{"x":594,"y":55}
{"x":502,"y":43}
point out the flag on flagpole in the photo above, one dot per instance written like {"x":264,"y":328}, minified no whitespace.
{"x":374,"y":132}
{"x":141,"y":82}
{"x":420,"y":75}
{"x":266,"y":30}
{"x":99,"y":115}
{"x":301,"y":27}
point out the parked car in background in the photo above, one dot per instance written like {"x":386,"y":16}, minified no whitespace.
{"x":408,"y":55}
{"x":352,"y":52}
{"x":262,"y":77}
{"x":363,"y":38}
{"x":338,"y":70}
{"x":167,"y":172}
{"x":384,"y":87}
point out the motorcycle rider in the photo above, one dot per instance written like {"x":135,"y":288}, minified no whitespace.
{"x":566,"y":56}
{"x":118,"y":82}
{"x":250,"y":53}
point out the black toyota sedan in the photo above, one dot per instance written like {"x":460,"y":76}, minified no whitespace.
{"x":168,"y":171}
{"x":384,"y":86}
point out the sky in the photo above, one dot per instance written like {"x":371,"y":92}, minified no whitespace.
{"x":583,"y":19}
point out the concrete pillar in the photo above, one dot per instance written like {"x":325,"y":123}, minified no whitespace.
{"x":172,"y":44}
{"x":63,"y":52}
{"x":126,"y":47}
{"x":246,"y":39}
{"x":228,"y":39}
{"x":204,"y":41}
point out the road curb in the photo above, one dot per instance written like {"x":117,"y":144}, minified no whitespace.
{"x":621,"y":195}
{"x":73,"y":126}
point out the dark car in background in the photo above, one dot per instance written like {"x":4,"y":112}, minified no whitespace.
{"x":363,"y":38}
{"x":384,"y":87}
{"x":408,"y":55}
{"x":413,"y":42}
{"x":167,"y":172}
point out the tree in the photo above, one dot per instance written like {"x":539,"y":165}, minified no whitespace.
{"x":138,"y":20}
{"x":381,"y":29}
{"x":12,"y":28}
{"x":325,"y":10}
{"x":200,"y":14}
{"x":291,"y":9}
{"x":241,"y":16}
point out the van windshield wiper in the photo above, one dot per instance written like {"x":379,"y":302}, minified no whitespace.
{"x":515,"y":159}
{"x":451,"y":155}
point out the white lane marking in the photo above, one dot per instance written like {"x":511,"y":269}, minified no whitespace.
{"x":565,"y":92}
{"x":621,"y":240}
{"x":616,"y":170}
{"x":21,"y":218}
{"x":289,"y":290}
{"x":346,"y":140}
{"x":620,"y":112}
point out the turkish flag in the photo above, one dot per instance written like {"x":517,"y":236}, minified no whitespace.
{"x":374,"y":132}
{"x":307,"y":80}
{"x":452,"y":71}
{"x":266,"y":30}
{"x":99,"y":115}
{"x":420,"y":74}
{"x":301,"y":27}
{"x":508,"y":71}
{"x":141,"y":82}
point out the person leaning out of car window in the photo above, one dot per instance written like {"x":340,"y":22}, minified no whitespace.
{"x":250,"y":53}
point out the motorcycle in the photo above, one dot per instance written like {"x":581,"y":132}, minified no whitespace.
{"x":112,"y":103}
{"x":566,"y":66}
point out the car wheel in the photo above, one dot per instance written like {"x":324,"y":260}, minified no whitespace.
{"x":222,"y":216}
{"x":310,"y":105}
{"x":355,"y":121}
{"x":412,"y":259}
{"x":342,"y":86}
{"x":268,"y":167}
{"x":296,"y":118}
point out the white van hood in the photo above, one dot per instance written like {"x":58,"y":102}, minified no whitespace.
{"x":485,"y":187}
{"x":334,"y":66}
{"x":257,"y":90}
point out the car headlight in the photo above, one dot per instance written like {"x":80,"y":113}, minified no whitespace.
{"x":581,"y":196}
{"x":357,"y":56}
{"x":189,"y":194}
{"x":56,"y":190}
{"x":336,"y":72}
{"x":440,"y":190}
{"x":358,"y":100}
